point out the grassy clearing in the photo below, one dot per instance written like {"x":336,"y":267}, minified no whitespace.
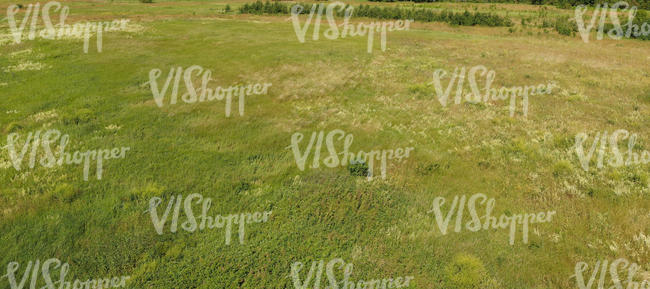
{"x":242,"y":163}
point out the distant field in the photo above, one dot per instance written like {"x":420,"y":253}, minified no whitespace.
{"x":243,"y":163}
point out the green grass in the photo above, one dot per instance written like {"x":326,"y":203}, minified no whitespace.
{"x":527,"y":164}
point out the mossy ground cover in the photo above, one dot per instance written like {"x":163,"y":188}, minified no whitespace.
{"x":242,"y":162}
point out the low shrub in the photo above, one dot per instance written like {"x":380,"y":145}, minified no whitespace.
{"x":565,"y":26}
{"x":358,"y":168}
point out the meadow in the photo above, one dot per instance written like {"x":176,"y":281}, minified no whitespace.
{"x":244,"y":163}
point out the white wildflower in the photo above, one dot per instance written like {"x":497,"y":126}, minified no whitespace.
{"x":113,"y":127}
{"x":44,"y":115}
{"x":555,"y":238}
{"x":31,"y":66}
{"x":613,"y":246}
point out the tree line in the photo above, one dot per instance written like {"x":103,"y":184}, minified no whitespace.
{"x":642,"y":4}
{"x":418,"y":14}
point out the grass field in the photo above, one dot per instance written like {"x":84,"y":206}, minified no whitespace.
{"x":243,"y":163}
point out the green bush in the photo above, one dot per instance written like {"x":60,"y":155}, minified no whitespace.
{"x":638,"y":21}
{"x":358,"y":168}
{"x":259,"y":8}
{"x":565,"y":26}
